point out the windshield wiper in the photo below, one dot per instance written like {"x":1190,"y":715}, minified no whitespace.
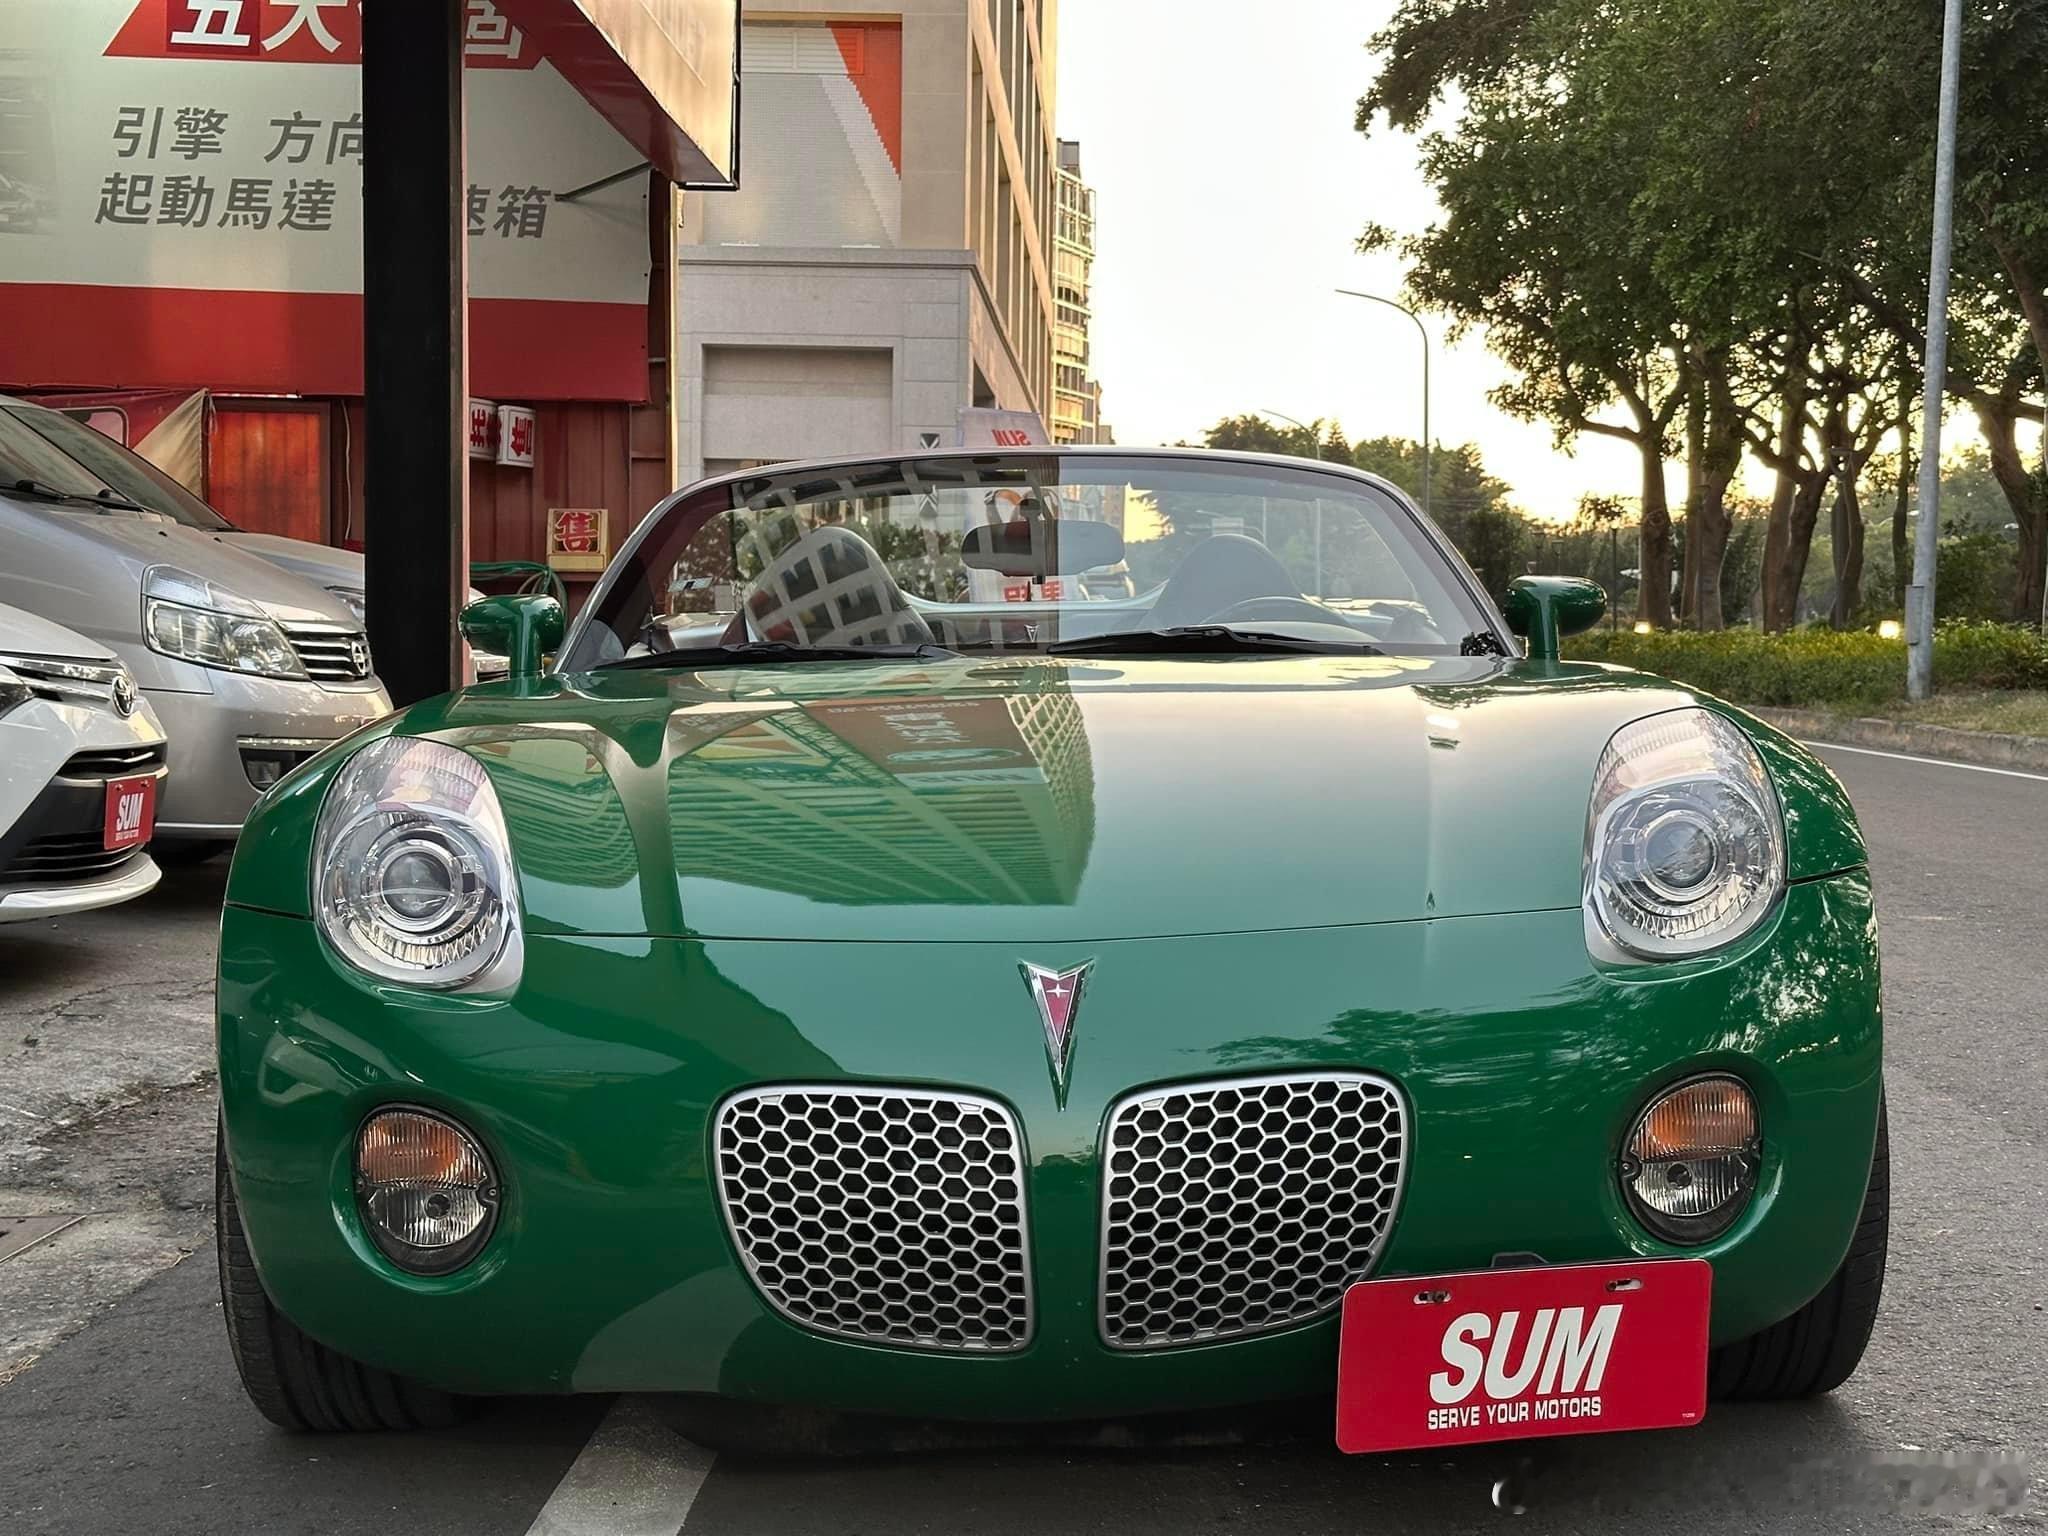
{"x":777,"y":650}
{"x":42,"y":488}
{"x":1205,"y":640}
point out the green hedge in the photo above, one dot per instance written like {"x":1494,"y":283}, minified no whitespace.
{"x":1819,"y":667}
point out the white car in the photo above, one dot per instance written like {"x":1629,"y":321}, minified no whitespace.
{"x":81,"y":763}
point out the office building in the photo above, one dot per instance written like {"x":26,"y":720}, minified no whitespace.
{"x":888,"y":259}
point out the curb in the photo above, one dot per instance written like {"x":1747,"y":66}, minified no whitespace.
{"x":1986,"y":747}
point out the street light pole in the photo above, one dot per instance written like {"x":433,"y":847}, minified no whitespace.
{"x":1920,"y":595}
{"x":1315,"y":442}
{"x":1353,"y":293}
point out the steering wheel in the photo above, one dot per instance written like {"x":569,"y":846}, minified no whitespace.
{"x":1296,"y":610}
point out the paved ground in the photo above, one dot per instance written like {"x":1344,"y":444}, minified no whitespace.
{"x":134,"y":1422}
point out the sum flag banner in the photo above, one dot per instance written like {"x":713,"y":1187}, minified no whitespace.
{"x":187,"y":182}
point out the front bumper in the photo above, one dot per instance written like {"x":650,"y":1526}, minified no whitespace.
{"x":1522,"y":1062}
{"x":137,"y":877}
{"x":213,"y":734}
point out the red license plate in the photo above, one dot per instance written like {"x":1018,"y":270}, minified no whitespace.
{"x":131,"y":812}
{"x":1507,"y":1354}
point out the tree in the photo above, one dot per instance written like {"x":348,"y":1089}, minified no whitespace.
{"x":1470,"y":505}
{"x":1528,"y":249}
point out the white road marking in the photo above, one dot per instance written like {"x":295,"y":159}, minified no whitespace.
{"x":636,"y":1477}
{"x":1932,"y":762}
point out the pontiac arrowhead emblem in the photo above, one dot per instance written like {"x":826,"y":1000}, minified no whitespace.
{"x":1058,"y":995}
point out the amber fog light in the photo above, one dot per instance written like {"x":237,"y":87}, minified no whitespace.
{"x":427,"y":1192}
{"x":1690,"y":1164}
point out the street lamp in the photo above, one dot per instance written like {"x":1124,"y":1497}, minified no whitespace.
{"x":1353,"y":293}
{"x":1920,"y":595}
{"x":1315,"y":442}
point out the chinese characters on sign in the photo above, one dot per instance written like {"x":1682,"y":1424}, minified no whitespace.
{"x":483,"y":428}
{"x":579,"y":538}
{"x":304,"y":203}
{"x":299,"y":32}
{"x":522,"y":212}
{"x":502,"y":433}
{"x":515,"y":436}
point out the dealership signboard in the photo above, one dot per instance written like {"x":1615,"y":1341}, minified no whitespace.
{"x":192,"y":173}
{"x":985,"y":427}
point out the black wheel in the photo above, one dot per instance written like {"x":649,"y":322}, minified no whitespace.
{"x":1818,"y":1347}
{"x":294,"y":1382}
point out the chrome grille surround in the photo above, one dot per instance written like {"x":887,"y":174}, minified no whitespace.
{"x":1244,"y":1205}
{"x":61,"y":680}
{"x":329,"y":652}
{"x":112,"y":762}
{"x":893,"y":1215}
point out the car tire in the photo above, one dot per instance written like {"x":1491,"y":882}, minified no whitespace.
{"x":1818,"y":1347}
{"x":294,"y":1381}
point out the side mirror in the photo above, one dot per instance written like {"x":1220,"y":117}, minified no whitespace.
{"x":1544,"y":609}
{"x":522,"y":629}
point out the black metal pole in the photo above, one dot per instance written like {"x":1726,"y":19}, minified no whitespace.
{"x":415,"y":344}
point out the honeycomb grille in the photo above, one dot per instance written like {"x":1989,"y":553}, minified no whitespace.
{"x":892,"y":1214}
{"x":1236,"y":1207}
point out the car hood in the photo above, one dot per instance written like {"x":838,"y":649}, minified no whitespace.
{"x":321,"y":564}
{"x":1052,"y":800}
{"x":24,"y":634}
{"x":75,"y":541}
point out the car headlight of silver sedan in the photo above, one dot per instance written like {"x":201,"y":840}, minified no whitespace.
{"x":1685,"y":844}
{"x":412,"y":871}
{"x":191,"y":618}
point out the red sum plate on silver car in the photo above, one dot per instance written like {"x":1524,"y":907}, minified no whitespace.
{"x":130,"y":813}
{"x":1508,"y":1354}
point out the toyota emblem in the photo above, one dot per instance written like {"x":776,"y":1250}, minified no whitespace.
{"x":124,"y":693}
{"x":359,"y":655}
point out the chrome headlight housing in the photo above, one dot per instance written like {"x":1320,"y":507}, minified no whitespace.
{"x":13,"y":691}
{"x":1685,"y":843}
{"x":191,"y":618}
{"x":413,"y":879}
{"x":352,"y":598}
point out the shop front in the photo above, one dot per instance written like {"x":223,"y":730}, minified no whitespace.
{"x":189,"y":274}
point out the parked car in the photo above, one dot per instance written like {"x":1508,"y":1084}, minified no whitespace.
{"x":250,"y":670}
{"x":81,"y":769}
{"x":134,"y":478}
{"x":839,"y":1001}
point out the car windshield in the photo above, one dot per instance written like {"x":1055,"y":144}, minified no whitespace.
{"x":27,"y":456}
{"x":1042,"y":552}
{"x":129,"y":474}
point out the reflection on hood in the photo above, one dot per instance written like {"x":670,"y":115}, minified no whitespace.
{"x":893,"y":801}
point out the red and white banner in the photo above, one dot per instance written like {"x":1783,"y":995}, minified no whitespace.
{"x":188,"y":205}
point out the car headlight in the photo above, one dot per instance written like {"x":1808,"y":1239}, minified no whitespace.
{"x":352,"y":598}
{"x":1685,"y":844}
{"x":412,"y":870}
{"x":190,"y":618}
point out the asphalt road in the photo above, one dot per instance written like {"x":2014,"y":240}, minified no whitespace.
{"x":134,"y":1422}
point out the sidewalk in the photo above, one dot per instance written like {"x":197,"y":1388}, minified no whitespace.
{"x":1991,"y":748}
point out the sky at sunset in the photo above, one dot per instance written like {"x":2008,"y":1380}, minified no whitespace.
{"x":1230,"y":189}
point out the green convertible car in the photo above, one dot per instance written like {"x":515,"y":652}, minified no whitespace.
{"x":877,"y":967}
